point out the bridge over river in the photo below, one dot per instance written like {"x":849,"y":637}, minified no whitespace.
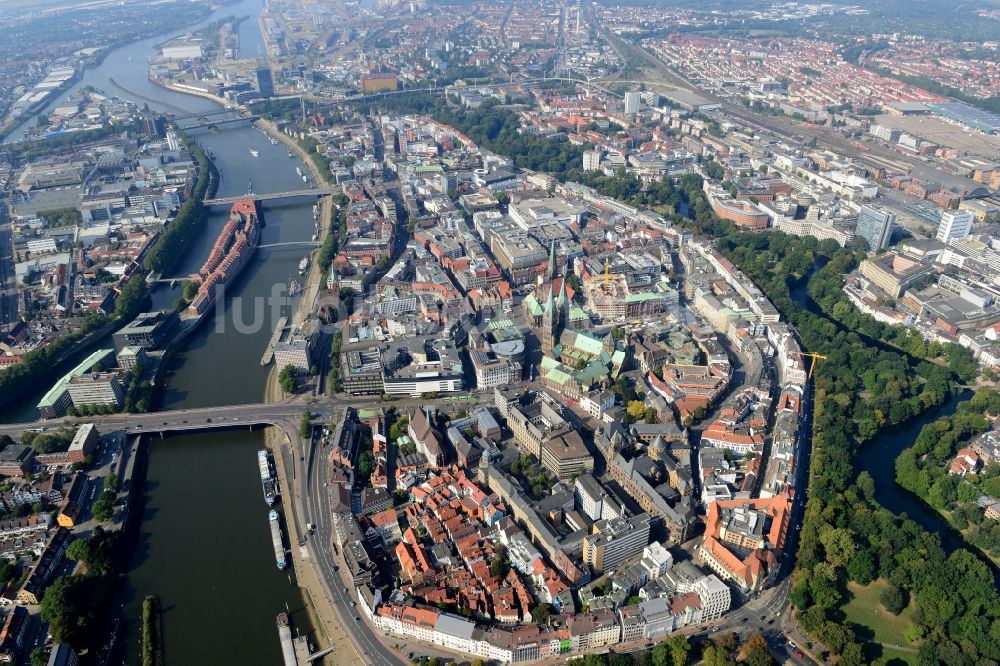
{"x":284,"y":414}
{"x":271,"y":196}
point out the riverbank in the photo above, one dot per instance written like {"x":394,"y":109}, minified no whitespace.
{"x":186,"y":90}
{"x":319,"y":610}
{"x":312,"y":286}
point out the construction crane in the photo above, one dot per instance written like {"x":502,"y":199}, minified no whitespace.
{"x":607,"y":273}
{"x":812,"y":355}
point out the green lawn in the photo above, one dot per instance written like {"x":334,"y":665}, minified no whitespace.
{"x":891,"y":657}
{"x":864,"y":609}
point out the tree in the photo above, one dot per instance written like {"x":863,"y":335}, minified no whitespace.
{"x":104,"y":507}
{"x":501,"y":562}
{"x":131,"y":297}
{"x":862,"y":569}
{"x":365,"y":464}
{"x":894,"y":599}
{"x":838,"y":543}
{"x":540,"y":613}
{"x":305,"y":425}
{"x":288,"y":379}
{"x":70,"y":605}
{"x":679,"y":649}
{"x":38,"y":656}
{"x":190,"y":290}
{"x":636,"y":409}
{"x":754,"y":652}
{"x":79,"y":550}
{"x":852,"y":655}
{"x":716,"y":656}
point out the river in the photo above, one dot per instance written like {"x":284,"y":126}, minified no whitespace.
{"x":204,"y":543}
{"x":878,"y":457}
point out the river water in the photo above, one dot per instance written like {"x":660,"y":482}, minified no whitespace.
{"x":204,"y":544}
{"x":878,"y":457}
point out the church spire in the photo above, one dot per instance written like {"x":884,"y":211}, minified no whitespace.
{"x":552,"y":260}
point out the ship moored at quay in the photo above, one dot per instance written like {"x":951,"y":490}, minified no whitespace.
{"x":268,"y":481}
{"x":279,"y":546}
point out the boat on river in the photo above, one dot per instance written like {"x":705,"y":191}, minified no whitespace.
{"x":279,"y":547}
{"x":268,"y":482}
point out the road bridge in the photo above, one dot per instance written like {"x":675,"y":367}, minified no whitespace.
{"x":272,"y":196}
{"x":217,"y":123}
{"x":290,"y":244}
{"x":206,"y":115}
{"x":249,"y":416}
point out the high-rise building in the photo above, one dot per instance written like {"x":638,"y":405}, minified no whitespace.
{"x":875,"y":226}
{"x":591,"y":160}
{"x":632,"y":101}
{"x":265,"y":82}
{"x":954,"y":224}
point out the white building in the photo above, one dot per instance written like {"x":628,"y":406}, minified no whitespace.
{"x":715,"y":597}
{"x":954,"y":224}
{"x":591,"y":160}
{"x":657,"y":559}
{"x":633,"y":99}
{"x":492,"y":370}
{"x":597,"y":404}
{"x":293,"y":352}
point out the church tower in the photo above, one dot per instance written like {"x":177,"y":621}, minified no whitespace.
{"x":550,"y":326}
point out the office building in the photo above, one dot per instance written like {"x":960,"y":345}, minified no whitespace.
{"x":265,"y":82}
{"x":58,"y":399}
{"x":492,"y":370}
{"x":954,"y":224}
{"x":16,"y":460}
{"x":132,"y":358}
{"x":616,"y":540}
{"x":149,"y":330}
{"x":893,"y":272}
{"x":744,"y":540}
{"x":295,"y":352}
{"x":99,"y":388}
{"x":84,"y":443}
{"x":875,"y":226}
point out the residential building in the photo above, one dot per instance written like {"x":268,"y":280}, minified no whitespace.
{"x":633,"y":99}
{"x":13,"y":633}
{"x":38,"y":579}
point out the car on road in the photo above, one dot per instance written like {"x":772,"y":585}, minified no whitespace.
{"x":798,"y":653}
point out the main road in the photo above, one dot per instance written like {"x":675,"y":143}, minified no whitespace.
{"x":246,"y":415}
